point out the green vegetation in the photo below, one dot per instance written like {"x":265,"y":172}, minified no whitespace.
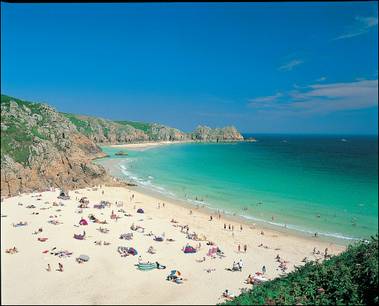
{"x":82,"y":125}
{"x":350,"y":278}
{"x":16,"y":139}
{"x":146,"y":127}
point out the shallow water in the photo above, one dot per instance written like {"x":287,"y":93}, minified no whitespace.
{"x":309,"y":183}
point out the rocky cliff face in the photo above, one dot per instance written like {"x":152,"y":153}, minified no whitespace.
{"x":204,"y":133}
{"x":40,"y":148}
{"x":103,"y":131}
{"x":118,"y":132}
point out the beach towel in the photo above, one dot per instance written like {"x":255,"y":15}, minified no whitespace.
{"x":146,"y":266}
{"x":189,"y":249}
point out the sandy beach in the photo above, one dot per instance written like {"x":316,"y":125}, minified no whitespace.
{"x":108,"y":278}
{"x":147,"y":145}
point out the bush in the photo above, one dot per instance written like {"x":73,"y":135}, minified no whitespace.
{"x":349,"y":278}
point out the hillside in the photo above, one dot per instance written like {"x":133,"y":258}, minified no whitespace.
{"x":350,"y":278}
{"x":40,"y":148}
{"x":104,"y":131}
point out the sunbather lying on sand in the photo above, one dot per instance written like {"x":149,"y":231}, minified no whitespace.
{"x":103,"y":230}
{"x":11,"y":250}
{"x":228,"y":295}
{"x":151,"y":250}
{"x":20,"y":224}
{"x":250,"y":280}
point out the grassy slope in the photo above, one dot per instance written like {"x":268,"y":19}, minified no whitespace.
{"x":80,"y":124}
{"x":17,"y":139}
{"x":349,"y":278}
{"x":146,"y":127}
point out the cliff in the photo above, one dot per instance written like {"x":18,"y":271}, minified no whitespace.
{"x":204,"y":133}
{"x":43,"y":148}
{"x":40,"y":148}
{"x":103,"y":131}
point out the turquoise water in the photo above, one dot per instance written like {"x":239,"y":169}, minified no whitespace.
{"x":309,"y":183}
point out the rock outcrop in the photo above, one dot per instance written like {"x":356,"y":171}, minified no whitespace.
{"x":103,"y":131}
{"x":226,"y":134}
{"x":40,"y":148}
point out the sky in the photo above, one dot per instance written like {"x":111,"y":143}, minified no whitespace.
{"x":262,"y":67}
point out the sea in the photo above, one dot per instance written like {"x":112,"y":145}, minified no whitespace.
{"x":324,"y":184}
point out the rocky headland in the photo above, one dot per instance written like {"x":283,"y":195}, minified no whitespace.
{"x":43,"y":148}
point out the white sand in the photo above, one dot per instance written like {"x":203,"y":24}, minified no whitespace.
{"x":110,"y":279}
{"x":146,"y":145}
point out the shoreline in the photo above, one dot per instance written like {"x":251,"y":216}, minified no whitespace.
{"x":140,"y":146}
{"x":147,"y":145}
{"x":112,"y":168}
{"x":26,"y":271}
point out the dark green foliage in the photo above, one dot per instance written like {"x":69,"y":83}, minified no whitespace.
{"x":146,"y":127}
{"x":350,"y":278}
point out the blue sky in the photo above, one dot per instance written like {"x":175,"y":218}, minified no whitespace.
{"x":263,"y":67}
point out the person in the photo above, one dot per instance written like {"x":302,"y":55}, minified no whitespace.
{"x":264,"y":269}
{"x":224,"y":226}
{"x":241,"y":227}
{"x":60,"y":267}
{"x":210,"y":218}
{"x":326,"y":253}
{"x":314,"y":250}
{"x":227,"y":294}
{"x":190,"y":211}
{"x":229,"y":227}
{"x":316,"y":234}
{"x":239,"y":248}
{"x":232,"y":227}
{"x":48,"y":268}
{"x":163,"y":205}
{"x":250,"y":280}
{"x":102,"y":192}
{"x":245,"y":248}
{"x":240,"y":265}
{"x":262,"y":233}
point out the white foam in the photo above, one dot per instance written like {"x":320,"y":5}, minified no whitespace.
{"x":148,"y":184}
